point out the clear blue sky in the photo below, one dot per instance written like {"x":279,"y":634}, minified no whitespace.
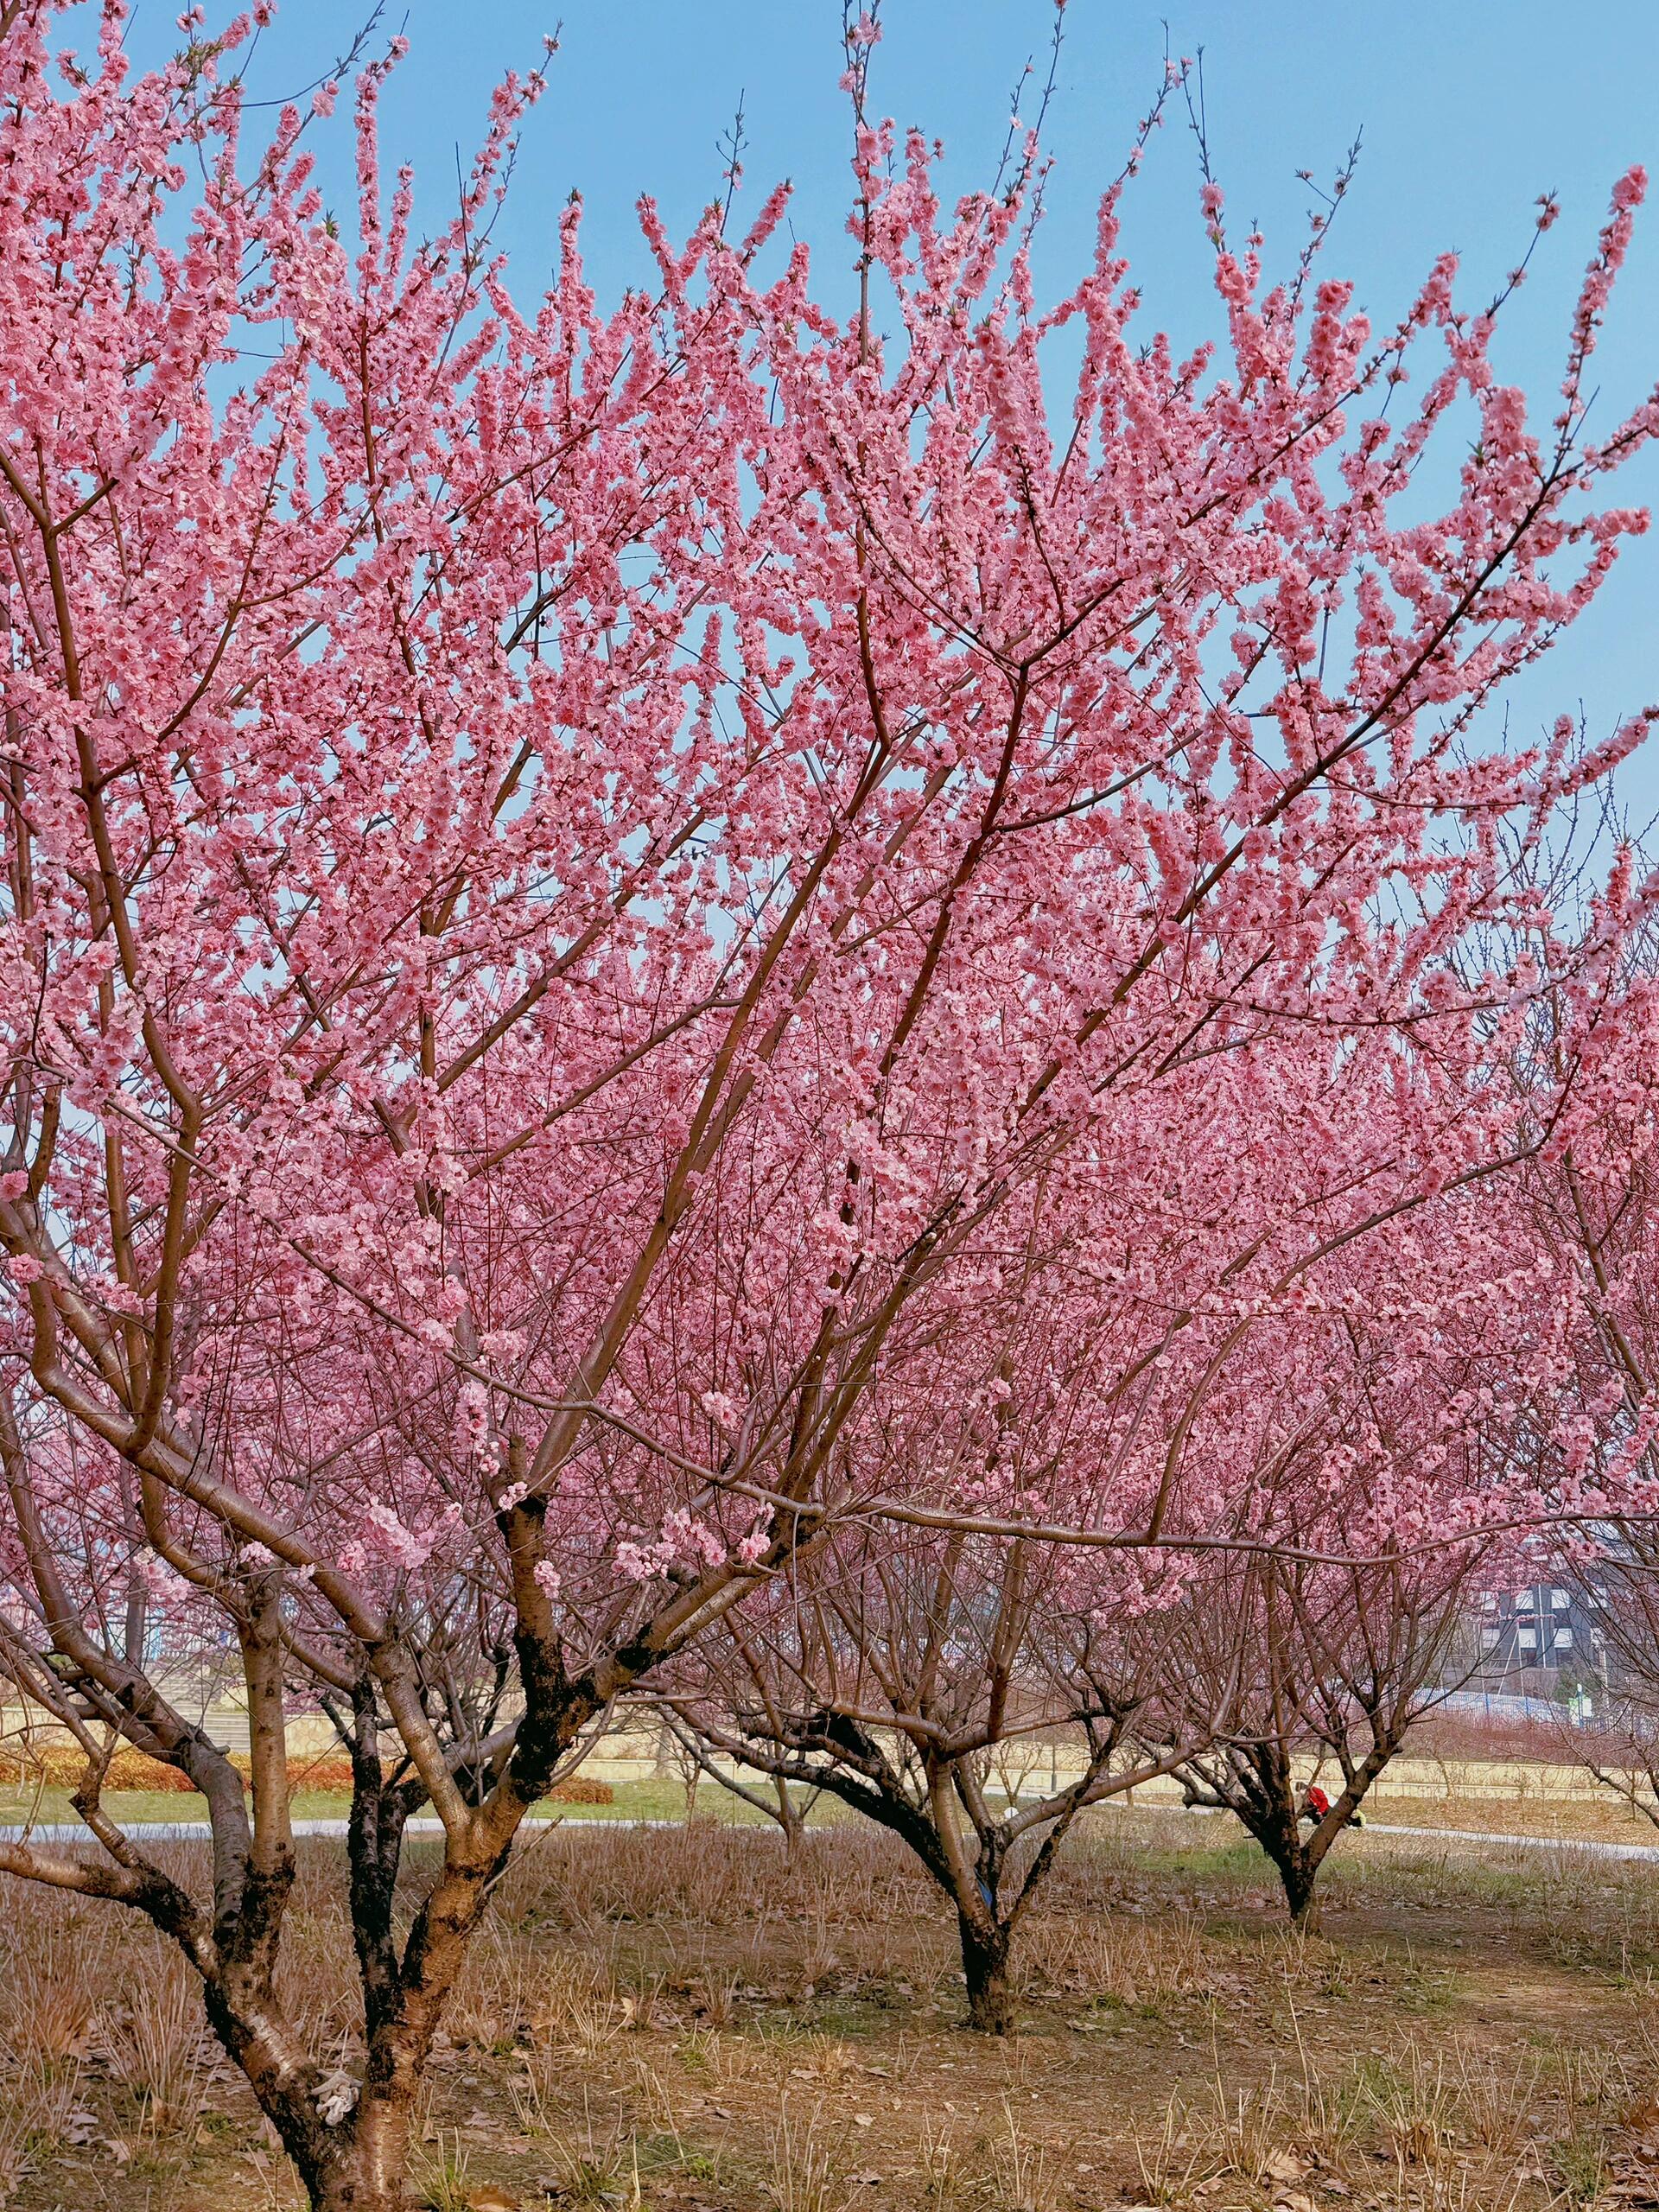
{"x":1469,"y":109}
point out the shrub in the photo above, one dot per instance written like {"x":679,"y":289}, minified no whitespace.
{"x":581,"y":1789}
{"x":59,"y":1766}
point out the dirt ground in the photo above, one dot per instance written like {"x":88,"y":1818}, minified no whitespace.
{"x":677,"y":2019}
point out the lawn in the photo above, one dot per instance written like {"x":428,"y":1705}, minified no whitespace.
{"x":681,"y":2018}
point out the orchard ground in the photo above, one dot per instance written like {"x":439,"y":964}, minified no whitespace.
{"x":676,"y":2018}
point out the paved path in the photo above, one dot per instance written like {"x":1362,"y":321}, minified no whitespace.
{"x":198,"y":1831}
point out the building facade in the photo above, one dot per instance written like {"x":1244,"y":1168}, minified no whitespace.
{"x":1548,"y":1638}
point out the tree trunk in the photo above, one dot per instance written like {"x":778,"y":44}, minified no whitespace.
{"x":985,"y":1968}
{"x":1298,"y":1878}
{"x":790,"y":1819}
{"x":359,"y":2165}
{"x":367,"y":2174}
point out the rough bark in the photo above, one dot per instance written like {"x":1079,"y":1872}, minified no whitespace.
{"x":357,"y":2183}
{"x":1297,"y":1876}
{"x":985,"y":1969}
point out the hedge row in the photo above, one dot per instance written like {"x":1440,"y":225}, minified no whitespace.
{"x":59,"y":1766}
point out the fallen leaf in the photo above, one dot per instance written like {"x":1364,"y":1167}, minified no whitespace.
{"x":492,"y":2198}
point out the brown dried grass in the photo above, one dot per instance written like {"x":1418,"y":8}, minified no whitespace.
{"x":700,"y":1999}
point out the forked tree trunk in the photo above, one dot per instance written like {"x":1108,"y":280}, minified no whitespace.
{"x":1297,"y":1876}
{"x":357,"y":2166}
{"x":366,"y":2175}
{"x":790,"y":1819}
{"x":1277,"y":1829}
{"x":985,"y":1969}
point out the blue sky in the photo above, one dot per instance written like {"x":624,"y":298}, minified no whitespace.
{"x":1469,"y":110}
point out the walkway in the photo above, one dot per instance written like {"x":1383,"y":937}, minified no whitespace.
{"x":198,"y":1832}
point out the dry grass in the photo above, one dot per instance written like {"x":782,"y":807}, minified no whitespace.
{"x":683,"y":2019}
{"x":1598,"y":1817}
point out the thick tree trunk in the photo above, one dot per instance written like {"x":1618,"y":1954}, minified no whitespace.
{"x":359,"y":2165}
{"x":985,"y":1968}
{"x":1298,"y":1878}
{"x":263,"y":2044}
{"x":366,"y":2175}
{"x":1277,"y":1828}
